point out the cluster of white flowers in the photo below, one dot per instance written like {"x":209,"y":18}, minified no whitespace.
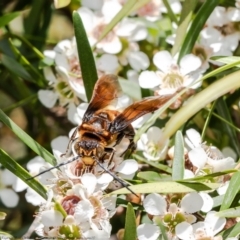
{"x":84,"y":210}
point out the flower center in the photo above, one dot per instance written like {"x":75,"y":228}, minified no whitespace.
{"x":153,"y":149}
{"x":173,"y":79}
{"x":69,"y":203}
{"x":227,"y":29}
{"x":64,"y":89}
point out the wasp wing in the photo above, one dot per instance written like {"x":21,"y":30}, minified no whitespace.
{"x":106,"y":90}
{"x":137,"y":110}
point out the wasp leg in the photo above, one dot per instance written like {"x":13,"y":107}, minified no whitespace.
{"x":69,"y":146}
{"x":57,"y":166}
{"x":124,"y":184}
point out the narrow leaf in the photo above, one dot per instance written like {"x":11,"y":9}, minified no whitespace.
{"x":185,"y":18}
{"x":227,"y":60}
{"x":232,"y":232}
{"x":151,"y":176}
{"x":36,"y":147}
{"x":130,"y":224}
{"x":178,"y":160}
{"x":155,"y":164}
{"x":18,"y":69}
{"x":229,"y":213}
{"x":170,"y":13}
{"x":196,"y":27}
{"x":232,"y":191}
{"x":86,"y":59}
{"x":168,"y":187}
{"x":200,"y":100}
{"x":223,"y":111}
{"x":6,"y":18}
{"x":20,"y":172}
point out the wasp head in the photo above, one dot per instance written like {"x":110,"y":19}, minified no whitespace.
{"x":89,"y":150}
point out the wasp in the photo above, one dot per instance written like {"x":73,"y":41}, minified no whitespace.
{"x":103,"y":128}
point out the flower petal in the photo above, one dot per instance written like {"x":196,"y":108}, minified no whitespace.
{"x":107,"y":63}
{"x":207,"y":202}
{"x":189,"y":63}
{"x":127,"y":167}
{"x":147,"y":231}
{"x":138,"y":60}
{"x":84,"y":211}
{"x":193,"y":138}
{"x":198,"y":157}
{"x":52,"y":218}
{"x":148,"y":79}
{"x":9,"y":197}
{"x":216,"y":223}
{"x":47,"y":97}
{"x":191,"y":202}
{"x":155,"y":204}
{"x":163,"y":60}
{"x":184,"y":231}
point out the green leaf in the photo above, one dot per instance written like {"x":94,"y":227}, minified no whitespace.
{"x":227,"y":60}
{"x":18,"y":69}
{"x":130,"y":224}
{"x":170,"y":13}
{"x":197,"y":26}
{"x":36,"y":147}
{"x":229,"y":213}
{"x":153,"y":176}
{"x":168,"y":187}
{"x":231,"y":232}
{"x":36,"y":76}
{"x":6,"y":18}
{"x":178,"y":160}
{"x":223,"y":111}
{"x":87,"y":63}
{"x":200,"y":100}
{"x":20,"y":172}
{"x":4,"y":235}
{"x":185,"y":18}
{"x":231,"y":192}
{"x":126,"y":9}
{"x":155,"y":164}
{"x":209,"y":176}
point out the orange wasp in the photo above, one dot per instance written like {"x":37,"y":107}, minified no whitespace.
{"x":103,"y":128}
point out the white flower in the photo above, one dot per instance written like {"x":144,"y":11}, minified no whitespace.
{"x":153,"y":144}
{"x":132,"y":29}
{"x":206,"y":157}
{"x":220,"y":32}
{"x":94,"y":24}
{"x":172,"y":76}
{"x":8,"y":196}
{"x":201,"y":230}
{"x":156,"y":205}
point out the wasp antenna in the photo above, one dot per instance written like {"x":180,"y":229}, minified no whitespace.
{"x":57,"y":166}
{"x":124,"y":184}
